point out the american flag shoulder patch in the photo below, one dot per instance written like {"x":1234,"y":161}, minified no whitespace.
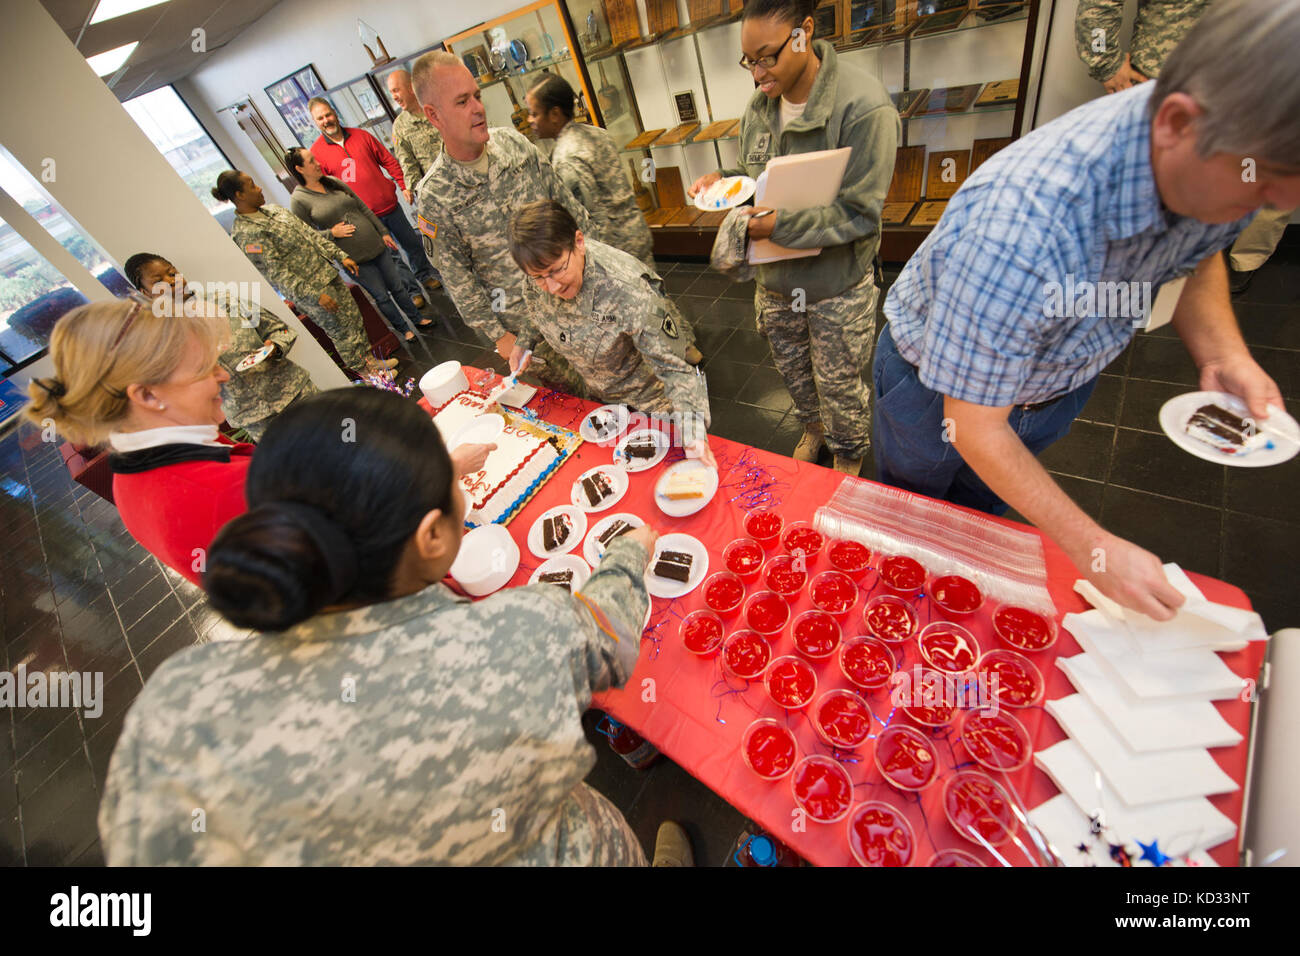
{"x":253,"y":248}
{"x":430,"y":229}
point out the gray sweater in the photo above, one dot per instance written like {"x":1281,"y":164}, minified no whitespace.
{"x":322,"y":210}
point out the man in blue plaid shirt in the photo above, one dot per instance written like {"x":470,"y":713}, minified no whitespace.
{"x":991,"y":351}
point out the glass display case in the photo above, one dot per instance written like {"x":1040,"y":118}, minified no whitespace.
{"x":359,"y":106}
{"x":379,"y":77}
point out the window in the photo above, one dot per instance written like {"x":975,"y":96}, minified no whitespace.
{"x":173,"y":129}
{"x":33,"y":296}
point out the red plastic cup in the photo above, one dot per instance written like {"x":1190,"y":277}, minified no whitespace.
{"x":764,"y":526}
{"x":926,"y":697}
{"x":723,"y":593}
{"x":833,"y":592}
{"x":905,"y":758}
{"x":879,"y":835}
{"x":768,"y":748}
{"x":746,"y":654}
{"x":766,"y":612}
{"x":891,"y":618}
{"x":997,"y":741}
{"x":975,"y":801}
{"x":1019,"y":682}
{"x":956,"y":597}
{"x":867,"y":662}
{"x":1024,"y":629}
{"x":948,"y":647}
{"x":791,"y":682}
{"x":782,"y":576}
{"x":842,"y":719}
{"x":823,"y":788}
{"x":954,"y":858}
{"x":801,"y":536}
{"x":744,"y":557}
{"x":816,"y":634}
{"x":849,"y":557}
{"x":902,"y":575}
{"x":702,"y":633}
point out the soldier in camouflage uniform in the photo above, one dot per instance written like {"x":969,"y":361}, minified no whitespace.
{"x":300,"y":264}
{"x":422,"y":728}
{"x":609,"y":317}
{"x":1160,"y":24}
{"x":255,"y":395}
{"x":416,"y":144}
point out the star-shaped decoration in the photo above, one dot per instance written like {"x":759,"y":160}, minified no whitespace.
{"x":1153,"y":853}
{"x":1120,"y":855}
{"x":1083,"y":848}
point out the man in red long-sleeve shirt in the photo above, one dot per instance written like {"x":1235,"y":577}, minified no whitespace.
{"x":357,"y":158}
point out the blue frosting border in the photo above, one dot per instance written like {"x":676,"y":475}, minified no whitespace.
{"x":527,"y":492}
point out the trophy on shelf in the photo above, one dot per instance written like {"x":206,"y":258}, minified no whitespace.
{"x":370,"y":41}
{"x":593,"y":30}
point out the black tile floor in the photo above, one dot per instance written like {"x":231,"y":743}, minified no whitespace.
{"x":78,"y":594}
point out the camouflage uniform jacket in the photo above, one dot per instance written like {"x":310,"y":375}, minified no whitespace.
{"x":422,"y":730}
{"x":268,"y":387}
{"x":416,"y":144}
{"x":293,"y":257}
{"x":587,"y":161}
{"x":624,"y":336}
{"x":463,"y":216}
{"x":1159,"y":25}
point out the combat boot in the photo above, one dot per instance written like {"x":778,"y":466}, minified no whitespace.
{"x":810,"y":443}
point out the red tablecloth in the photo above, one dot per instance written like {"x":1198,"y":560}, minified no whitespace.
{"x":695,"y":715}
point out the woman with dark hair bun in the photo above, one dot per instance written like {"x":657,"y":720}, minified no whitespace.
{"x":380,"y":718}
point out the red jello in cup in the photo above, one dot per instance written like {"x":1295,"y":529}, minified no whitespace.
{"x":766,"y":612}
{"x":842,"y":719}
{"x":1011,"y":678}
{"x":816,"y":635}
{"x":1024,"y":629}
{"x":974,"y":801}
{"x":768,"y":748}
{"x":781,"y":575}
{"x":955,"y":596}
{"x":723,"y":592}
{"x":902,"y":575}
{"x":849,"y":556}
{"x":745,"y":654}
{"x":764,"y":526}
{"x":954,"y":858}
{"x":791,"y":682}
{"x":927,"y":697}
{"x":948,"y":647}
{"x":833,"y":592}
{"x":879,"y":835}
{"x":702,"y":633}
{"x":905,"y":758}
{"x":744,"y":557}
{"x":867,"y":662}
{"x":823,"y":788}
{"x":997,"y":741}
{"x":800,"y":537}
{"x":891,"y":619}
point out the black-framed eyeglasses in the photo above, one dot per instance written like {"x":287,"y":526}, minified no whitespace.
{"x":552,"y":274}
{"x":769,"y":61}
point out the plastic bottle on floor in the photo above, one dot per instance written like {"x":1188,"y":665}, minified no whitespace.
{"x":756,"y":847}
{"x":628,"y":744}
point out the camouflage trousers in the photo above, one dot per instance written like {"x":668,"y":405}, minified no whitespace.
{"x":592,"y":832}
{"x":258,"y":428}
{"x":820,"y":352}
{"x":345,"y":327}
{"x":549,"y":368}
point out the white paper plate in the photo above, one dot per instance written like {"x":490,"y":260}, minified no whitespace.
{"x":665,"y":588}
{"x":254,"y":358}
{"x":576,"y":518}
{"x":482,"y":430}
{"x":565,"y":562}
{"x":592,"y":549}
{"x":488,"y":558}
{"x":682,"y":507}
{"x":617,"y":477}
{"x":712,"y":199}
{"x":661,"y":440}
{"x":1174,"y":415}
{"x":615,"y":415}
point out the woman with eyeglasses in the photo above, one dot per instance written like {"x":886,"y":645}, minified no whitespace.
{"x":818,"y":313}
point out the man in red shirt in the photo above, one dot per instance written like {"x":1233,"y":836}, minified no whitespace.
{"x":357,"y":158}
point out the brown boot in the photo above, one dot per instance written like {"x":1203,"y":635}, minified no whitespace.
{"x":672,"y":846}
{"x":417,"y":301}
{"x":850,"y":466}
{"x":693,"y":355}
{"x":810,"y":443}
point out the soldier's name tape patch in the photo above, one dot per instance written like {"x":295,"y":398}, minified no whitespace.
{"x":253,"y":248}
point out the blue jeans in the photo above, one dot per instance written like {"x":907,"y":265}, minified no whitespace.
{"x":907,"y":433}
{"x":402,"y":231}
{"x":380,"y":277}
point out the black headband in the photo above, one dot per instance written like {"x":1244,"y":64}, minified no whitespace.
{"x":337,"y":548}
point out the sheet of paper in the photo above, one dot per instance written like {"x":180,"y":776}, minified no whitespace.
{"x":1162,"y":310}
{"x":801,"y":181}
{"x":1139,"y":778}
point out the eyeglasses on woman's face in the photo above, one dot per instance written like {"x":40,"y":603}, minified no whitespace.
{"x":552,"y":275}
{"x":768,"y":61}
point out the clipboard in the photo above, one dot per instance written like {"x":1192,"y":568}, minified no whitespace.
{"x":801,"y":181}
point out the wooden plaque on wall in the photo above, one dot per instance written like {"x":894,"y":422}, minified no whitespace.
{"x":668,"y":182}
{"x":945,"y":171}
{"x":702,"y":10}
{"x":660,"y":16}
{"x":929,"y":213}
{"x":998,"y":93}
{"x":906,"y":101}
{"x":906,"y":184}
{"x":678,"y":135}
{"x":622,"y":20}
{"x":950,"y":99}
{"x":715,"y":130}
{"x":982,"y":149}
{"x":642,"y":140}
{"x":895,"y":213}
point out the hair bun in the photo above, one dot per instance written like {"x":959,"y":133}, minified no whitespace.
{"x":336,"y":547}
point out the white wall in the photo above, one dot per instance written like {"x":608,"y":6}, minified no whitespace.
{"x":1066,"y":83}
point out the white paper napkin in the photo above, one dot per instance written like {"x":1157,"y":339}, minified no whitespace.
{"x":1159,"y":724}
{"x":1066,"y":828}
{"x":1196,"y":674}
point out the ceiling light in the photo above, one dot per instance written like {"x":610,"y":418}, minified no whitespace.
{"x":108,"y":9}
{"x":106,"y":63}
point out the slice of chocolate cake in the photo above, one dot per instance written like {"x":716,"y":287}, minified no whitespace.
{"x":562,"y":579}
{"x":615,"y":529}
{"x":600,"y":425}
{"x":643,"y":448}
{"x":555,"y":531}
{"x":1216,"y":426}
{"x":674,"y":565}
{"x":597,"y":488}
